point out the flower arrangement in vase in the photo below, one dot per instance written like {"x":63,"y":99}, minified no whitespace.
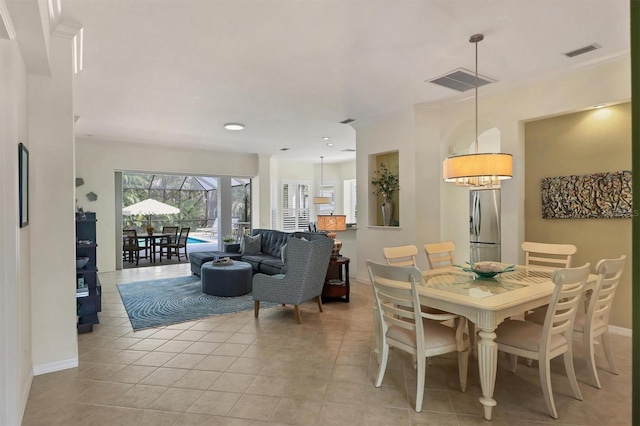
{"x":150,"y":230}
{"x":386,"y":184}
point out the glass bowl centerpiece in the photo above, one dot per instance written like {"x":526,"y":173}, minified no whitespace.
{"x":486,"y":269}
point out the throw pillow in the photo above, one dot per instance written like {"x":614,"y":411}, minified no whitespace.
{"x":251,"y":245}
{"x":282,"y":253}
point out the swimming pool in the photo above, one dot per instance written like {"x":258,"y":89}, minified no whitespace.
{"x":191,"y":240}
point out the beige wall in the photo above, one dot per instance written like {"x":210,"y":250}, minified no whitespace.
{"x":592,"y":141}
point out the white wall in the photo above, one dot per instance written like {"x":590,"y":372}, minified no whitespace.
{"x":393,"y":132}
{"x":52,"y":220}
{"x":97,"y":161}
{"x":15,"y":247}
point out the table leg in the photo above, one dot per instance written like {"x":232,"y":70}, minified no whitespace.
{"x":488,"y":364}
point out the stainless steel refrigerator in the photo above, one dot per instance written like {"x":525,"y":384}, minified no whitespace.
{"x":484,"y":224}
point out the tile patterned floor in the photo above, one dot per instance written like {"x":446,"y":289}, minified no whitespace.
{"x":236,"y":370}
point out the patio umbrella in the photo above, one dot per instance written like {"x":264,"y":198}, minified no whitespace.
{"x":149,"y":207}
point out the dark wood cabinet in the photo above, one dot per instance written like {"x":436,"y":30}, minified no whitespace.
{"x":88,"y":290}
{"x":336,"y":283}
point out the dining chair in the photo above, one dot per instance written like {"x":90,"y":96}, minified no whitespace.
{"x":401,"y":255}
{"x":440,"y":255}
{"x":170,"y":238}
{"x":548,"y":256}
{"x":131,"y":245}
{"x":406,"y":327}
{"x":552,"y":338}
{"x":595,"y":322}
{"x":180,"y":243}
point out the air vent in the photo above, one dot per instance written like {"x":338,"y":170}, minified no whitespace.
{"x":461,"y":80}
{"x":348,"y":120}
{"x":582,"y":50}
{"x":348,"y":150}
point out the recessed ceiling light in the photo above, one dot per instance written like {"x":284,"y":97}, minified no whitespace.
{"x":329,"y":144}
{"x":326,"y":138}
{"x":599,"y":106}
{"x":234,"y":126}
{"x":284,"y":149}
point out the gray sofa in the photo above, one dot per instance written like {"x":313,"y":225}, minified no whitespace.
{"x":268,"y":261}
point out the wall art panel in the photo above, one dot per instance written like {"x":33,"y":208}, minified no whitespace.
{"x":592,"y":196}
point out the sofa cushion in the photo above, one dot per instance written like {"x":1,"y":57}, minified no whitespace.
{"x":272,"y":240}
{"x":251,"y":244}
{"x":263,"y":263}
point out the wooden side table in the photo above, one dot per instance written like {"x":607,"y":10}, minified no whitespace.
{"x":336,"y":283}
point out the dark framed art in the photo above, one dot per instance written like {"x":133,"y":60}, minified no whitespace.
{"x":23,"y":186}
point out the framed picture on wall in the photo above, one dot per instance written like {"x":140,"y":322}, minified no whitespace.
{"x":23,"y":185}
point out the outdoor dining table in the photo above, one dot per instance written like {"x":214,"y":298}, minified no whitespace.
{"x":486,"y":302}
{"x":151,"y":241}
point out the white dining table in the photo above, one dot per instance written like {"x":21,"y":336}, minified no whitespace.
{"x":486,"y":303}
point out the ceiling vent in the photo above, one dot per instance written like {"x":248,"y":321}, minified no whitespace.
{"x":348,"y":120}
{"x":348,"y":150}
{"x":461,"y":80}
{"x":582,"y":50}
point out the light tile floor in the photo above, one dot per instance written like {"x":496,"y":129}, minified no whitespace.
{"x":236,"y":370}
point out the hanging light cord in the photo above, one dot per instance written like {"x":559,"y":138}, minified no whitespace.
{"x":476,"y":38}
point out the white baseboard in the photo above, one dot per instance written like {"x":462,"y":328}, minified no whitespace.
{"x":55,"y":366}
{"x":620,"y":331}
{"x":25,"y":394}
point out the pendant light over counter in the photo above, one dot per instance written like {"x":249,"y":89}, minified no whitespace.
{"x":320,"y":199}
{"x":478,"y":169}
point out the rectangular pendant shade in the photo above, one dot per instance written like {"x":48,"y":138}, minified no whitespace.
{"x":321,"y":200}
{"x":477,"y":169}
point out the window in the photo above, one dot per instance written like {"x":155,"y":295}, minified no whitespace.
{"x":327,"y":190}
{"x":350,"y":200}
{"x":295,"y":206}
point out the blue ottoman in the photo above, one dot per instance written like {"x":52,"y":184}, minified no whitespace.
{"x":227,"y":281}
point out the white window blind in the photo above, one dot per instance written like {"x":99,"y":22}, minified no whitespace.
{"x":295,"y":206}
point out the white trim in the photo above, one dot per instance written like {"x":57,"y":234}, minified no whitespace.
{"x":6,"y":26}
{"x":621,"y":331}
{"x":55,"y":366}
{"x":25,"y":395}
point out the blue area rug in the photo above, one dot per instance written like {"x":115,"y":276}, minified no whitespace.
{"x":173,"y":300}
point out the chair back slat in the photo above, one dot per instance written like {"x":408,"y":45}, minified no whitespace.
{"x":550,"y":256}
{"x":561,"y":314}
{"x":609,"y":272}
{"x":440,"y":255}
{"x":401,"y":255}
{"x":394,"y":286}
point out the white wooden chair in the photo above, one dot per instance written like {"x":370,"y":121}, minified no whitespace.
{"x":401,"y":255}
{"x":595,"y":323}
{"x":548,"y":256}
{"x":406,"y":327}
{"x":553,"y":338}
{"x":440,"y":255}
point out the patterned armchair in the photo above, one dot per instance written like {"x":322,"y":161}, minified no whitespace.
{"x":306,"y":265}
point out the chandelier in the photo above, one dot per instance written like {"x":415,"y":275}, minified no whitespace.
{"x":478,"y":169}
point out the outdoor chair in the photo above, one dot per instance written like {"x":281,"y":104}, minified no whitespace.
{"x":174,"y":248}
{"x":171,"y":238}
{"x":131,"y":246}
{"x":406,"y":327}
{"x":552,"y":338}
{"x":211,"y":230}
{"x":306,"y":264}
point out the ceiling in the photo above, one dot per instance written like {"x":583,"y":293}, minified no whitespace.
{"x":173,"y":72}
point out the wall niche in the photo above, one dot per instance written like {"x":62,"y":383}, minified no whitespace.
{"x":383,"y":167}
